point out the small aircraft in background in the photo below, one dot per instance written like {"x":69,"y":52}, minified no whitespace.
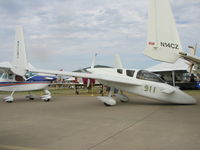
{"x":163,"y":41}
{"x":139,"y":82}
{"x":16,"y":77}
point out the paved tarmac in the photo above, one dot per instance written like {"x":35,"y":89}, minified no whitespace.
{"x":84,"y":123}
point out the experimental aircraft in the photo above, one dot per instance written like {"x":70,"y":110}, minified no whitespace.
{"x":135,"y":81}
{"x":163,"y":41}
{"x":16,"y":77}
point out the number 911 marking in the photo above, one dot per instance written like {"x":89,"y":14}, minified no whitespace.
{"x":149,"y":89}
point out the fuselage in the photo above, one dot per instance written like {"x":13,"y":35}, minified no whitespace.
{"x":150,"y":85}
{"x":12,"y":82}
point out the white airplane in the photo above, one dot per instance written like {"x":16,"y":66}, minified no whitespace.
{"x":135,"y":81}
{"x":163,"y":41}
{"x":16,"y":77}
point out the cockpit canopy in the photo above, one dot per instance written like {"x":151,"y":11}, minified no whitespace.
{"x":146,"y":75}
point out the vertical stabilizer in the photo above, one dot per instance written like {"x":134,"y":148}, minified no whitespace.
{"x":118,"y":62}
{"x":163,"y":41}
{"x":19,"y":64}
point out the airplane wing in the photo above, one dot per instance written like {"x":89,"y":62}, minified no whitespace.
{"x":192,"y":59}
{"x":96,"y":76}
{"x":5,"y":65}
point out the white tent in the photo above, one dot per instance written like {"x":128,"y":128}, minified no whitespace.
{"x":162,"y":67}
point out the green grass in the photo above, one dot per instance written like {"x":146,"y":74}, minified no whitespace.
{"x":192,"y":92}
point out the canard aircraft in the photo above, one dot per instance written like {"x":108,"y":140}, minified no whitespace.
{"x":135,"y":81}
{"x":163,"y":41}
{"x":16,"y":77}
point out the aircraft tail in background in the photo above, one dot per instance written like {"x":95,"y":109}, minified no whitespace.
{"x":19,"y":63}
{"x":163,"y":41}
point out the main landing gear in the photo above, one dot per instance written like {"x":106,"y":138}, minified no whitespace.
{"x":9,"y":99}
{"x":110,"y":101}
{"x":47,"y":96}
{"x":30,"y":96}
{"x":122,"y":97}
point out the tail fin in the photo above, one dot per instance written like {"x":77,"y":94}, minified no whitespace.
{"x":118,"y":62}
{"x":19,"y":64}
{"x":163,"y":41}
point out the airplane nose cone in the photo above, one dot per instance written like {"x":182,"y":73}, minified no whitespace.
{"x":184,"y":98}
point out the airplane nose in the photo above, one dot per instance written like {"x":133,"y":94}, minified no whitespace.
{"x":184,"y":98}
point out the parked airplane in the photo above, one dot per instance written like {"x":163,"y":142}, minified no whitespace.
{"x":163,"y":41}
{"x":16,"y":77}
{"x":135,"y":81}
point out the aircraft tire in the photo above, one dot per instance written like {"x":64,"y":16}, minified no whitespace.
{"x":47,"y":100}
{"x":107,"y":105}
{"x":123,"y":101}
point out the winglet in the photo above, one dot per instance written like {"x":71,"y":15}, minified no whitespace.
{"x":118,"y":62}
{"x":163,"y":41}
{"x":19,"y":64}
{"x":93,"y":61}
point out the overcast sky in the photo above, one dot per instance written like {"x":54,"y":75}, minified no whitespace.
{"x":67,"y":33}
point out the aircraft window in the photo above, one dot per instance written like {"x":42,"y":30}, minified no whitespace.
{"x":120,"y":71}
{"x":29,"y":74}
{"x":145,"y":75}
{"x":19,"y":78}
{"x":1,"y":73}
{"x":5,"y":76}
{"x":130,"y":73}
{"x":11,"y":76}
